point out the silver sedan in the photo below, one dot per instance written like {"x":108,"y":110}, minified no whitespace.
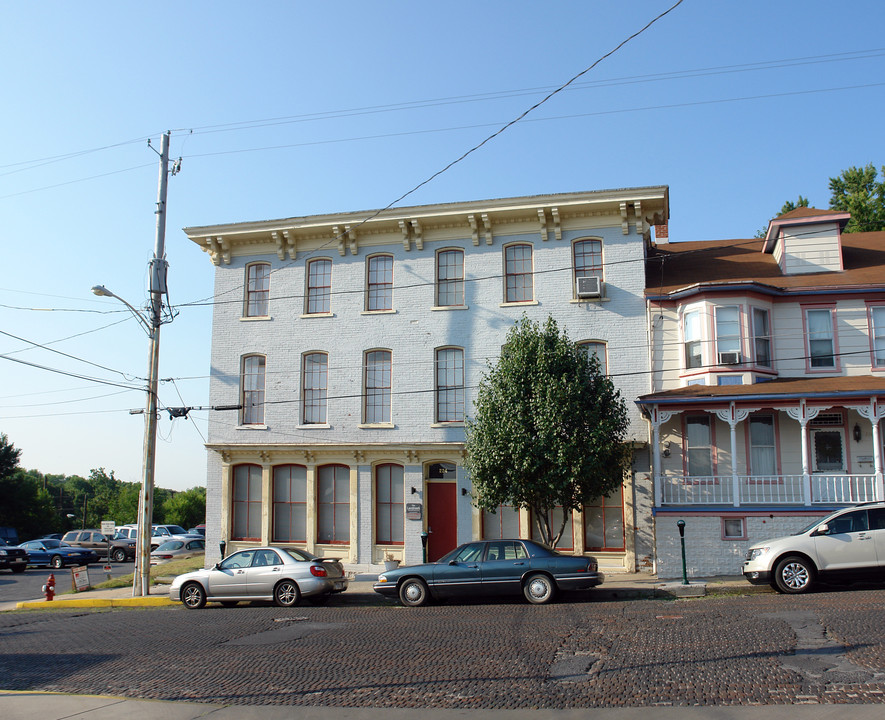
{"x":283,"y":575}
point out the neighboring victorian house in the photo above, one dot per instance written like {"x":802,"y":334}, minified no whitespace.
{"x":768,"y":384}
{"x":354,"y":344}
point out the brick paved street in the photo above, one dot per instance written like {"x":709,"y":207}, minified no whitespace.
{"x":762,"y":649}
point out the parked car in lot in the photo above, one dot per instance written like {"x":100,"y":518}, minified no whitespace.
{"x":198,"y":530}
{"x":492,"y":568}
{"x":12,"y":557}
{"x":57,"y":554}
{"x":848,"y":544}
{"x":120,"y":550}
{"x":283,"y":575}
{"x":177,"y":550}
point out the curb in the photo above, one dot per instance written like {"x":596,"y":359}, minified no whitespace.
{"x":95,"y":603}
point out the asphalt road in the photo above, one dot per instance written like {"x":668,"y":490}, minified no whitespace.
{"x":826,"y":647}
{"x":16,"y":587}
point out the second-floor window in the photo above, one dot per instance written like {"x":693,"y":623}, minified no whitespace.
{"x":314,"y":389}
{"x":821,"y":342}
{"x":449,"y":385}
{"x":319,"y":287}
{"x":691,"y":332}
{"x":595,"y":349}
{"x":377,"y":383}
{"x":728,"y":334}
{"x":877,"y":334}
{"x":379,"y":288}
{"x":450,"y":278}
{"x":518,"y":273}
{"x":257,"y":289}
{"x":252,"y":381}
{"x":761,"y":337}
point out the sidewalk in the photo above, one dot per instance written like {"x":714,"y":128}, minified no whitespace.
{"x":617,"y":586}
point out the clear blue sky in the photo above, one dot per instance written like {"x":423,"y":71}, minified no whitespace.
{"x":294,"y":108}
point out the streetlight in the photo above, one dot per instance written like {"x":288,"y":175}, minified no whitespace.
{"x":141,"y":581}
{"x":150,"y":321}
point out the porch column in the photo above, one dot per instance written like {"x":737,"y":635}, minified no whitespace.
{"x":657,"y":418}
{"x":733,"y":416}
{"x":802,"y":415}
{"x":874,"y":412}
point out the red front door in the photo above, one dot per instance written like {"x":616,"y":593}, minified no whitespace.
{"x":441,"y":519}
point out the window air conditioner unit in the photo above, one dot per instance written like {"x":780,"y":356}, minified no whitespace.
{"x":729,"y":358}
{"x":589,"y":287}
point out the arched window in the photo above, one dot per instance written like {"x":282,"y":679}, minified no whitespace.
{"x":333,"y":506}
{"x":319,"y":286}
{"x":449,"y":385}
{"x":596,"y":348}
{"x":587,"y":259}
{"x":377,"y":387}
{"x":389,"y":504}
{"x":257,"y":289}
{"x":449,"y":278}
{"x":289,"y":503}
{"x":246,"y":496}
{"x":518,"y":283}
{"x":252,"y":390}
{"x":314,"y":387}
{"x":379,"y":285}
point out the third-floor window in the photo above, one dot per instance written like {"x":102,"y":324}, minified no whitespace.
{"x":449,"y":278}
{"x":379,"y":286}
{"x":257,"y":289}
{"x":518,"y":273}
{"x":319,"y":287}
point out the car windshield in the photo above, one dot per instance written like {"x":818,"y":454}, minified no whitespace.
{"x":50,"y":543}
{"x":818,"y":521}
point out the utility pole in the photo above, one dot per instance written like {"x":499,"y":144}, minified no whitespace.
{"x":141,"y":583}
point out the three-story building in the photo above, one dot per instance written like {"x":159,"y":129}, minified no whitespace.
{"x":354,"y":344}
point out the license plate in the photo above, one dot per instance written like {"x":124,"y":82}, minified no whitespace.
{"x":339,"y":585}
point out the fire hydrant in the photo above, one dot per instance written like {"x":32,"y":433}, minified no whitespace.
{"x":49,"y":588}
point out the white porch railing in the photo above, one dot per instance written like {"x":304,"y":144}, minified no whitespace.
{"x":767,"y":490}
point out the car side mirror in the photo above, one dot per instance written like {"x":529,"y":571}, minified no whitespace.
{"x":453,"y":562}
{"x":821,"y":529}
{"x":218,"y":566}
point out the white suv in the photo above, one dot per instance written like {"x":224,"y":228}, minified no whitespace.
{"x":848,"y":544}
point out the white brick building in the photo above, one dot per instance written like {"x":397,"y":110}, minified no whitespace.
{"x":355,"y":342}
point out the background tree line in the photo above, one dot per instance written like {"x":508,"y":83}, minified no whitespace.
{"x":36,"y":504}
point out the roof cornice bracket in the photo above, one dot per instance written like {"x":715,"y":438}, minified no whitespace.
{"x":404,"y":229}
{"x":640,"y":223}
{"x":419,"y":238}
{"x":290,"y":241}
{"x":542,"y":217}
{"x":625,"y":223}
{"x":557,"y":226}
{"x":338,"y":235}
{"x":487,"y":225}
{"x":218,"y":249}
{"x":351,"y":234}
{"x":474,"y":229}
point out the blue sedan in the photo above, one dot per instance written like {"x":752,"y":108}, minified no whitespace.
{"x":492,"y":568}
{"x":57,"y":554}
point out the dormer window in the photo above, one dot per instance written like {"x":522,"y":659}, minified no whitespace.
{"x":807,"y":240}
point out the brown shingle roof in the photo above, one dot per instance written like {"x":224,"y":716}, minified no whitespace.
{"x":716,"y":262}
{"x":860,"y":386}
{"x":807,"y":212}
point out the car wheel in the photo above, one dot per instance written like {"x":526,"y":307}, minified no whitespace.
{"x":18,"y":568}
{"x":413,"y":592}
{"x":286,"y":594}
{"x":539,"y":589}
{"x":57,"y":562}
{"x":193,"y":596}
{"x":794,"y":575}
{"x":119,"y":555}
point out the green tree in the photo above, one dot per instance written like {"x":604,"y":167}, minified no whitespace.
{"x":25,"y":505}
{"x":9,"y":456}
{"x":549,"y":429}
{"x":187,"y":508}
{"x":860,"y":192}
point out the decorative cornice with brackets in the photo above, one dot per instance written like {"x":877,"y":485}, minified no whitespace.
{"x":218,"y":249}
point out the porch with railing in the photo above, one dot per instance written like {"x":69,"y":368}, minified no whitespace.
{"x":740,"y":490}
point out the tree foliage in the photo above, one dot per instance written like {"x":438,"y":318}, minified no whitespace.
{"x":548,"y":430}
{"x":860,"y":192}
{"x":36,"y":504}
